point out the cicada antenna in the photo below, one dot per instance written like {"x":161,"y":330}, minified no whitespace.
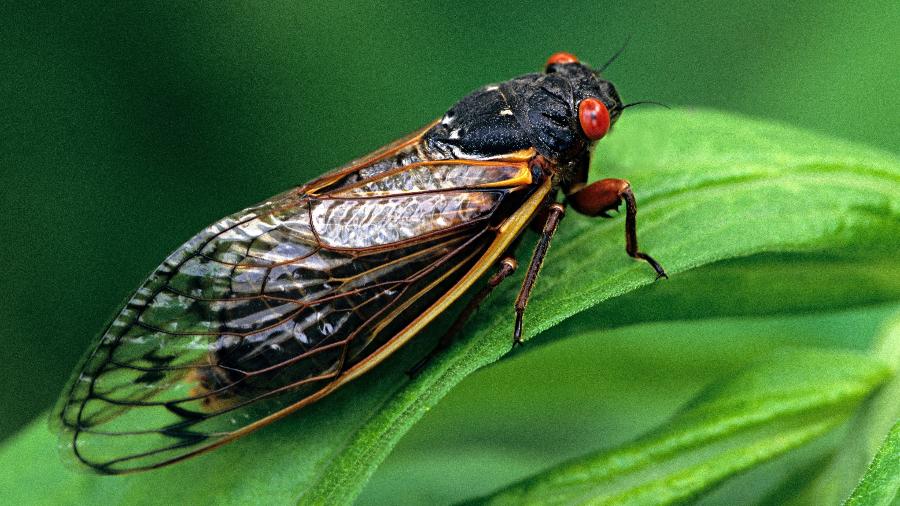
{"x":616,"y":55}
{"x":639,"y":102}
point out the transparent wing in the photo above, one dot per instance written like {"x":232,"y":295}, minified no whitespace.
{"x":264,"y":310}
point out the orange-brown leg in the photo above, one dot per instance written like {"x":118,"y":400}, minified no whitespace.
{"x":507,"y":266}
{"x":605,"y":195}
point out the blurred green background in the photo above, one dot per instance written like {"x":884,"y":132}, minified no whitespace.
{"x":127,"y":128}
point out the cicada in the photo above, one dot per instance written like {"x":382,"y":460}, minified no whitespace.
{"x":270,"y":309}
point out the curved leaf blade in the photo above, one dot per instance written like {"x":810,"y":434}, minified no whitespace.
{"x":689,"y":166}
{"x":882,"y":480}
{"x":834,"y":480}
{"x":777,"y":405}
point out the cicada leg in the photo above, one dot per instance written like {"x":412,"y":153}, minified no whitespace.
{"x":507,"y":266}
{"x":605,"y":195}
{"x":555,"y":213}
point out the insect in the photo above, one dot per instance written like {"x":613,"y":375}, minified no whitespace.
{"x":272,"y":308}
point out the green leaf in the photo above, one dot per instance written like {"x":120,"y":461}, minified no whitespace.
{"x":710,"y":187}
{"x":760,"y":285}
{"x":777,"y":405}
{"x":882,"y":480}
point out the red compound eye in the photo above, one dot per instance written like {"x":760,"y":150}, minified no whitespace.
{"x":594,"y":118}
{"x":561,"y":57}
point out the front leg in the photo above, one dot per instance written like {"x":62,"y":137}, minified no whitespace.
{"x":555,"y":213}
{"x":605,"y":195}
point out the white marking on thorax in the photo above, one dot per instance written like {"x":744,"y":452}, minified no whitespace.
{"x":506,"y":112}
{"x":454,"y":134}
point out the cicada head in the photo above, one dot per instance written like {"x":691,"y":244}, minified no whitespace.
{"x":569,"y":108}
{"x":560,"y":113}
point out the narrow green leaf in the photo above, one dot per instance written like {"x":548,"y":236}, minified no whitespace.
{"x":710,"y":192}
{"x":882,"y":480}
{"x":710,"y":186}
{"x":836,"y":479}
{"x":761,"y":285}
{"x":779,"y":404}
